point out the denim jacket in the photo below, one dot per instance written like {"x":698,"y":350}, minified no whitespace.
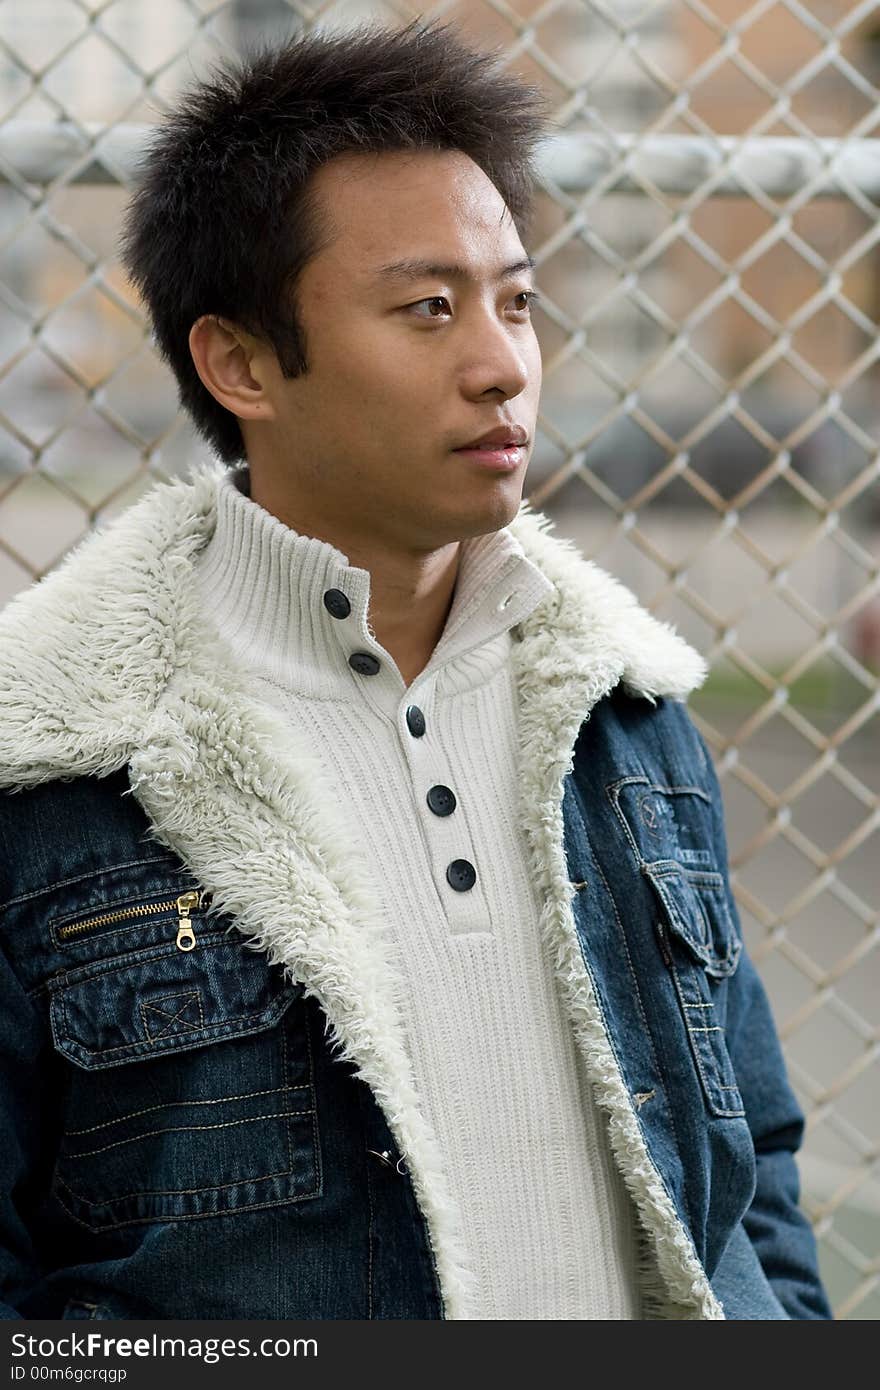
{"x":208,"y":1105}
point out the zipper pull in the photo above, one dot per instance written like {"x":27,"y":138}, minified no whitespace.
{"x":186,"y":937}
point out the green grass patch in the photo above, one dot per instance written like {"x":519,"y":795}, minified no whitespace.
{"x":822,"y":686}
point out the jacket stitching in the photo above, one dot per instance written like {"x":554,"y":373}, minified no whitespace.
{"x":128,"y":960}
{"x":186,"y":1216}
{"x":188,"y":1129}
{"x":316,"y":1165}
{"x":639,"y":1002}
{"x":188,"y":996}
{"x":171,"y":1192}
{"x":709,"y":880}
{"x":369,"y":1244}
{"x":317,"y":1160}
{"x":216,"y":1030}
{"x":286,"y":1075}
{"x":612,"y":791}
{"x":78,"y":878}
{"x":257,"y":1017}
{"x":706,"y":1082}
{"x":673,"y":868}
{"x":168,"y":1104}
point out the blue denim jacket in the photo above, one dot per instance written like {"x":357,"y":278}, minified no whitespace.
{"x":205,"y":1115}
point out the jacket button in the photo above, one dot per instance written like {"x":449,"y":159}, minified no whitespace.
{"x":415,"y":721}
{"x":364,"y":663}
{"x":336,"y":603}
{"x":461,"y":875}
{"x":441,"y":800}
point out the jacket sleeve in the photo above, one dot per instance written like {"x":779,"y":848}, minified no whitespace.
{"x":22,"y":1083}
{"x":775,"y":1224}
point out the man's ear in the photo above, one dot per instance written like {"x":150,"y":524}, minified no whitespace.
{"x":232,"y":365}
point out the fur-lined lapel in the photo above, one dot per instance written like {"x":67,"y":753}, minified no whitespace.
{"x":107,"y":663}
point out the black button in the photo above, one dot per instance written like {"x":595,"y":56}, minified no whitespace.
{"x":415,"y":721}
{"x":336,"y":603}
{"x":461,"y":875}
{"x":364,"y":663}
{"x":441,"y":800}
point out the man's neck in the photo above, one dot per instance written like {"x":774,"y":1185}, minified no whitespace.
{"x":411,"y":592}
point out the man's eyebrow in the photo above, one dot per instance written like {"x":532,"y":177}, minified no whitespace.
{"x":415,"y":269}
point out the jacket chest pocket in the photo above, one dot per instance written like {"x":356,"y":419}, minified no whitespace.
{"x":190,"y":1089}
{"x":670,"y":832}
{"x":701,"y":951}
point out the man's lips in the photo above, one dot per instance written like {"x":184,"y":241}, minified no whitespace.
{"x":494,"y":456}
{"x":487,"y":448}
{"x":501,"y":437}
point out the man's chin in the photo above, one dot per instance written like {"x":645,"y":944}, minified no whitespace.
{"x":478,"y":516}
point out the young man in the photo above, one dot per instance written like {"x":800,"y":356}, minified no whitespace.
{"x":368,"y":947}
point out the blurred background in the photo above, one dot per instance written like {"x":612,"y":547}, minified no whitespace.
{"x":706,"y":232}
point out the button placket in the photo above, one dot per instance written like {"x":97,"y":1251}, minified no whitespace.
{"x":371,"y":668}
{"x":445,"y":832}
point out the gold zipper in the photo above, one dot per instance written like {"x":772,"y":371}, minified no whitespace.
{"x":186,"y":938}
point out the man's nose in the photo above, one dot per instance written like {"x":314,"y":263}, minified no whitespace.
{"x":496,"y":358}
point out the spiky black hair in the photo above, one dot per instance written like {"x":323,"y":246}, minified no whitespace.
{"x":221,"y":220}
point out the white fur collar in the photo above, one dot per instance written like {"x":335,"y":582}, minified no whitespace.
{"x":107,"y":663}
{"x":86,"y":654}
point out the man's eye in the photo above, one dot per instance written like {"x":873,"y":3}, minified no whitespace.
{"x":434,"y":307}
{"x":530,"y":296}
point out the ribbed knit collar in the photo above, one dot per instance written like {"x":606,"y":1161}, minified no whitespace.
{"x":262,"y":585}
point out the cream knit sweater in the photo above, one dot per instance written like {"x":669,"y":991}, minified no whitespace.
{"x":549,"y":1227}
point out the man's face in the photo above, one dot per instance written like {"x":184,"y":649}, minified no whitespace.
{"x":403,"y":369}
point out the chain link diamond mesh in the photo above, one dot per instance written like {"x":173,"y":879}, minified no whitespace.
{"x":706,"y":234}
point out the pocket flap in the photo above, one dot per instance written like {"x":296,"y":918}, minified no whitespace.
{"x":132,"y":1007}
{"x":697,"y":912}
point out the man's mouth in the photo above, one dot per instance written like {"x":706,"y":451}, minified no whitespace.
{"x":501,"y":437}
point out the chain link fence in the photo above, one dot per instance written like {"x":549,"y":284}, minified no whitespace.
{"x":707,"y":237}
